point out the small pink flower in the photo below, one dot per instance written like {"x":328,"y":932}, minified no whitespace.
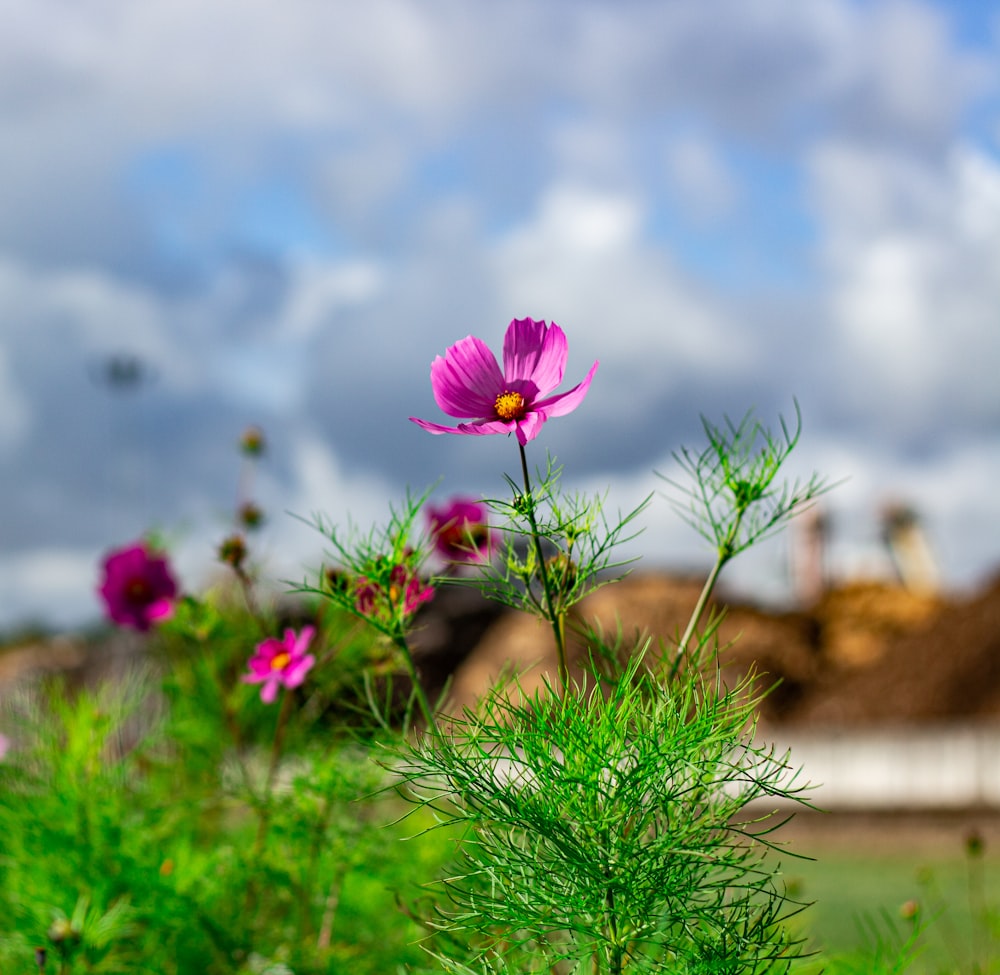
{"x":461,"y":530}
{"x":467,"y":382}
{"x":405,"y":594}
{"x":281,"y":663}
{"x":138,"y":588}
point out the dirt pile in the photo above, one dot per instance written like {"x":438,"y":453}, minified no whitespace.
{"x":944,"y":668}
{"x":866,"y":654}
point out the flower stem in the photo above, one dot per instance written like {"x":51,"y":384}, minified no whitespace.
{"x":264,"y":821}
{"x":725,"y":554}
{"x":425,"y":705}
{"x":557,"y":619}
{"x":616,"y":952}
{"x":287,"y":701}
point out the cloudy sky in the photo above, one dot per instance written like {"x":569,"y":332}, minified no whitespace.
{"x":283,"y":212}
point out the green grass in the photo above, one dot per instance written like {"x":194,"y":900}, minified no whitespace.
{"x":852,"y":884}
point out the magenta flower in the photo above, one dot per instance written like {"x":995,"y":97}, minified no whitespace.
{"x":467,"y":382}
{"x":138,"y":587}
{"x":281,"y":663}
{"x":461,"y":530}
{"x":403,"y":597}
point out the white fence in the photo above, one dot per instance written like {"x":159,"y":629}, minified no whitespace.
{"x":920,"y":768}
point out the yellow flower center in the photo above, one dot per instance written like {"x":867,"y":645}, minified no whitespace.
{"x":509,"y":405}
{"x":280,"y":661}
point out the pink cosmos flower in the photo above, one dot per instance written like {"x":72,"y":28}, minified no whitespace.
{"x":405,"y":595}
{"x":461,"y":530}
{"x":138,"y":587}
{"x":467,"y":382}
{"x":281,"y":663}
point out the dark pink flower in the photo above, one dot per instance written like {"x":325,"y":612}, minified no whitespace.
{"x":401,"y":599}
{"x":138,"y":587}
{"x":461,"y":530}
{"x":281,"y":663}
{"x":467,"y":382}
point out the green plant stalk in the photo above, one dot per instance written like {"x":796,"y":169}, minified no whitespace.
{"x":557,"y":620}
{"x":978,"y":911}
{"x":308,"y":882}
{"x":287,"y":703}
{"x":725,"y":554}
{"x":399,"y":641}
{"x":264,"y":822}
{"x":616,"y":951}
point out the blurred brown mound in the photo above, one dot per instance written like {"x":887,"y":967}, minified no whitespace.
{"x":945,"y":669}
{"x":867,"y":653}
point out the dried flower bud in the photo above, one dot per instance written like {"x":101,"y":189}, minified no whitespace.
{"x":974,"y":843}
{"x":233,"y":551}
{"x":562,"y":572}
{"x":250,"y":515}
{"x":909,"y":910}
{"x":252,"y":442}
{"x":337,"y":579}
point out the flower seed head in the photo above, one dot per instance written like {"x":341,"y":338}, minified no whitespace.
{"x":252,"y":442}
{"x":250,"y":515}
{"x":233,"y":551}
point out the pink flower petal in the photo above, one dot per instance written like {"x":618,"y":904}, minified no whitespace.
{"x":479,"y":428}
{"x":564,"y":403}
{"x":269,"y":691}
{"x":295,"y":673}
{"x":535,"y":353}
{"x":161,"y":610}
{"x":530,"y":427}
{"x":301,"y":643}
{"x":467,"y":379}
{"x":434,"y":427}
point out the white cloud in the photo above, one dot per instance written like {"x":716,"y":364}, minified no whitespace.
{"x":54,"y":586}
{"x":699,"y":179}
{"x":318,"y":291}
{"x":914,"y":289}
{"x":583,"y":257}
{"x":321,"y":486}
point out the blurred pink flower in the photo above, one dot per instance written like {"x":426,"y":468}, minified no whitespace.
{"x":281,"y":663}
{"x":461,"y":530}
{"x":138,"y":588}
{"x":405,"y":595}
{"x":4,"y":746}
{"x":467,"y":382}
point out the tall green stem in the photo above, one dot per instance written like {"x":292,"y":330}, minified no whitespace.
{"x":617,"y":952}
{"x":425,"y":705}
{"x":263,"y":824}
{"x":725,"y":553}
{"x":287,"y":702}
{"x":557,"y":619}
